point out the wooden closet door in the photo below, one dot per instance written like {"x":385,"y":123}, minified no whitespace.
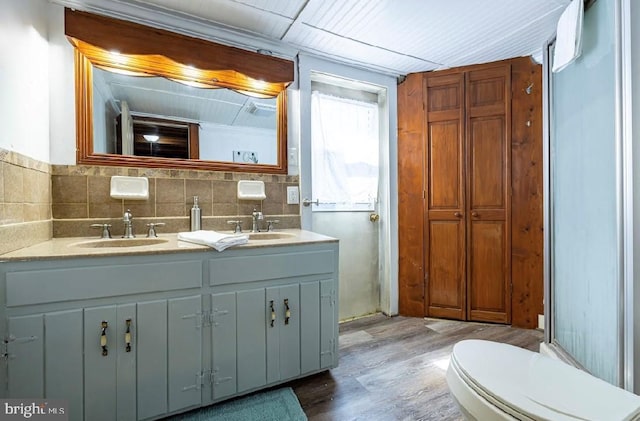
{"x":445,"y":200}
{"x":488,"y":143}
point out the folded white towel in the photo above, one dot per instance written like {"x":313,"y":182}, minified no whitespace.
{"x":217,"y":240}
{"x":568,"y":36}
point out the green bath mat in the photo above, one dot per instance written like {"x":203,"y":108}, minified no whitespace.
{"x":273,"y":405}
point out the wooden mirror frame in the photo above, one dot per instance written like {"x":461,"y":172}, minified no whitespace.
{"x":146,"y":51}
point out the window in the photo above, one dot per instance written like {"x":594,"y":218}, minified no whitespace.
{"x":345,"y":151}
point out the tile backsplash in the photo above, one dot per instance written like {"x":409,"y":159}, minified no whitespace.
{"x":80,"y":197}
{"x":25,"y":201}
{"x":39,"y":201}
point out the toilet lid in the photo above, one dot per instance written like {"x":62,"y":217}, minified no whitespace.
{"x":522,"y":382}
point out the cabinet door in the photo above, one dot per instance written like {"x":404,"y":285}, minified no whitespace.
{"x":63,"y":373}
{"x":185,"y":352}
{"x":251,"y":319}
{"x":223,"y":338}
{"x":26,"y":357}
{"x":309,"y":327}
{"x":328,"y":324}
{"x":152,"y":359}
{"x":283,"y":335}
{"x":100,"y":352}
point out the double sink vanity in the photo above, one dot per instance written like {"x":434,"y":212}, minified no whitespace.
{"x":142,"y":328}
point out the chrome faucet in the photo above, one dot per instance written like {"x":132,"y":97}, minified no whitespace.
{"x":128,"y":230}
{"x":257,"y":216}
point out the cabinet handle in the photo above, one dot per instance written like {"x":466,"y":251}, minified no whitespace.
{"x":127,"y":336}
{"x":457,"y":215}
{"x":287,"y":313}
{"x":103,"y":338}
{"x":273,"y":313}
{"x":474,"y":214}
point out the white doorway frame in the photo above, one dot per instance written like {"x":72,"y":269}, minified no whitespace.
{"x":388,"y":199}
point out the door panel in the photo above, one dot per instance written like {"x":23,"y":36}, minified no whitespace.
{"x":445,"y":152}
{"x":446,"y":269}
{"x":26,"y":362}
{"x":185,"y":351}
{"x":327,"y":323}
{"x":310,"y":326}
{"x":100,"y":366}
{"x":445,"y":225}
{"x":152,"y":358}
{"x":486,"y":92}
{"x":252,"y":351}
{"x":487,"y":289}
{"x":488,"y":195}
{"x":63,"y":344}
{"x":126,"y":361}
{"x":444,"y":93}
{"x":487,"y":163}
{"x":223,"y":309}
{"x":275,"y":318}
{"x":290,"y":332}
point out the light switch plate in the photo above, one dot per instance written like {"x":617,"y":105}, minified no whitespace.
{"x":293,"y":197}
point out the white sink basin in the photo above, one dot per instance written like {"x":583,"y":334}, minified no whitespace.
{"x":119,"y":242}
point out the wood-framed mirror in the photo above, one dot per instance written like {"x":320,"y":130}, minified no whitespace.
{"x":147,"y":97}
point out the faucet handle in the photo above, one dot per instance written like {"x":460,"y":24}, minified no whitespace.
{"x":238,"y":226}
{"x":152,"y":228}
{"x":270,"y":224}
{"x":106,"y":233}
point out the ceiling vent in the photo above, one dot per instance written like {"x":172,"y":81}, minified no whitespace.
{"x":261,"y":109}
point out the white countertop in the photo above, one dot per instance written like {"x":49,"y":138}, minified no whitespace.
{"x":62,"y":248}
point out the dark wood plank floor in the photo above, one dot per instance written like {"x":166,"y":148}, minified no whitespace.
{"x":394,"y":369}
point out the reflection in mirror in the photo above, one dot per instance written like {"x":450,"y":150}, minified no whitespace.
{"x":157,"y":117}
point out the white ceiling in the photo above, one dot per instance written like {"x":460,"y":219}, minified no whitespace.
{"x":392,"y":36}
{"x":163,"y":98}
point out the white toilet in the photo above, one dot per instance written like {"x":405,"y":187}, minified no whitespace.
{"x":494,"y":381}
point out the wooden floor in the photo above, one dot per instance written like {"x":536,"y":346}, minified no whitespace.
{"x":394,"y":369}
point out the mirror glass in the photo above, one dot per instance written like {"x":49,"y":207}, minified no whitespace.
{"x":158,"y":117}
{"x":147,"y":97}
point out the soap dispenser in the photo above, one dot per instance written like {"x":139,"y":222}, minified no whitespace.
{"x":196,"y":215}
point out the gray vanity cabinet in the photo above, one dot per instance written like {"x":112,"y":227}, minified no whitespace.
{"x":143,"y":337}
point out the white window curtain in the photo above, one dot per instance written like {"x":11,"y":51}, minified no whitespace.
{"x":345,"y":153}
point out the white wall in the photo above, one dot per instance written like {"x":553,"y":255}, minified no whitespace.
{"x":24,"y":78}
{"x":217,"y":142}
{"x":63,"y":105}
